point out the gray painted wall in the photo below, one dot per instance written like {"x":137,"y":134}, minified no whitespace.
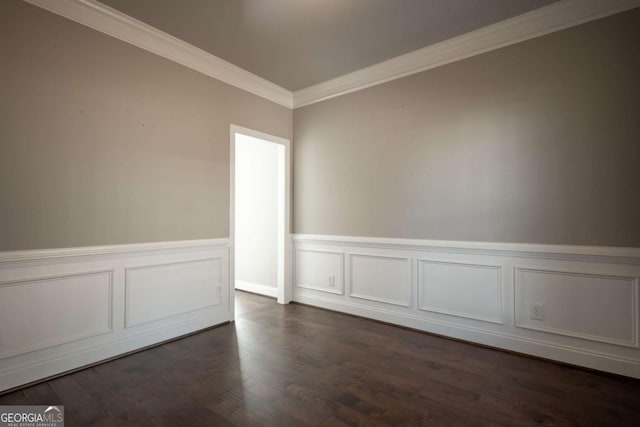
{"x":104,"y":143}
{"x":537,"y":142}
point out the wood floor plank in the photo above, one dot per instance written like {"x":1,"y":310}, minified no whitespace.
{"x":79,"y":407}
{"x":14,"y":398}
{"x":123,"y":410}
{"x":93,"y":383}
{"x":41,"y":394}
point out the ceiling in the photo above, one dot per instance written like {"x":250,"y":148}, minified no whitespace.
{"x":298,"y":43}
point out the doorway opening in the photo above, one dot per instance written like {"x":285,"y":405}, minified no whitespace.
{"x":259,"y":214}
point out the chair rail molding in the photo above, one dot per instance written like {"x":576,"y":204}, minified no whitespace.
{"x":107,"y":20}
{"x":547,"y":19}
{"x":30,"y":255}
{"x":612,"y":254}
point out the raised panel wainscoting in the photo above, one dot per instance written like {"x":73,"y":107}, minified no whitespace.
{"x":61,"y":309}
{"x":574,"y":304}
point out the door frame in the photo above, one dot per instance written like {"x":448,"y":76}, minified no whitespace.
{"x":285,"y":268}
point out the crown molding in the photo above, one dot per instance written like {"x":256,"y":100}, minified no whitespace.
{"x":109,"y":21}
{"x":554,"y":17}
{"x":545,"y":20}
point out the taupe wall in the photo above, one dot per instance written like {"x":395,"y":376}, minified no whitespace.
{"x":104,"y":143}
{"x":101,"y":143}
{"x":537,"y":142}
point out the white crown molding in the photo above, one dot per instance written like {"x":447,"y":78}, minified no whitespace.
{"x":116,"y":24}
{"x":545,"y":20}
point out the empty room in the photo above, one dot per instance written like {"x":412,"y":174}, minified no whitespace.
{"x":319,"y":212}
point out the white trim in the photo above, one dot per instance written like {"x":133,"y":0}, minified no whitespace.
{"x":350,"y":256}
{"x":103,"y":351}
{"x":621,"y":255}
{"x":496,"y":328}
{"x":109,"y":21}
{"x":554,"y":17}
{"x":9,"y":257}
{"x":338,"y":291}
{"x":425,"y":307}
{"x":67,"y":340}
{"x":633,"y":342}
{"x":285,"y":257}
{"x":21,"y":365}
{"x":257,"y":288}
{"x":128,"y":324}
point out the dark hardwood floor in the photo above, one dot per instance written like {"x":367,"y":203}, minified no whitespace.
{"x":298,"y":365}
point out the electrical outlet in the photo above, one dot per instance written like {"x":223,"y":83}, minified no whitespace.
{"x":219,"y":290}
{"x":332,"y":280}
{"x":537,"y":311}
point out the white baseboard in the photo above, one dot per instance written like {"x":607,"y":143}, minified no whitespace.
{"x":485,"y":293}
{"x":96,"y":303}
{"x":109,"y":349}
{"x":514,"y":343}
{"x":257,"y":288}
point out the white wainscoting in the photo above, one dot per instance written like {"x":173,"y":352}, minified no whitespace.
{"x":606,"y":310}
{"x":320,"y":270}
{"x":43,"y":305}
{"x":574,"y":304}
{"x":61,"y":309}
{"x":476,"y":289}
{"x":158,"y":291}
{"x":380,"y":278}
